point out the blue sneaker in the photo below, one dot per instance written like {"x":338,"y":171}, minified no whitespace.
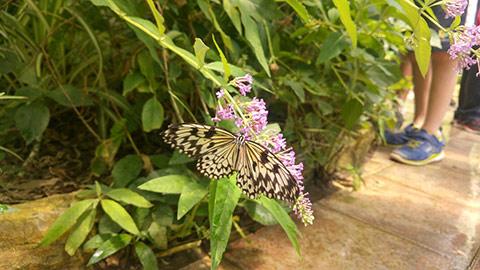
{"x":399,"y":138}
{"x":422,"y":149}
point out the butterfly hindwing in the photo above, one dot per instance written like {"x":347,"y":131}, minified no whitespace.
{"x":245,"y":179}
{"x":272,"y":178}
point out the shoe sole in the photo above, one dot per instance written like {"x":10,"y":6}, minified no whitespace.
{"x":470,"y":130}
{"x":433,"y":158}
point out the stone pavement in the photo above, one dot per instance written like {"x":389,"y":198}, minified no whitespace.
{"x":405,"y":218}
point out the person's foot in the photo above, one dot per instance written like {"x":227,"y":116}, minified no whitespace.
{"x":421,"y":149}
{"x":472,"y":126}
{"x":398,"y":138}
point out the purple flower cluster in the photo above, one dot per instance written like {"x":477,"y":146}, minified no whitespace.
{"x":453,"y":8}
{"x":244,"y":84}
{"x":462,"y":47}
{"x":252,"y":122}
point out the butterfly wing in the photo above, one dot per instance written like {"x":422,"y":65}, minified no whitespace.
{"x":219,"y":155}
{"x":214,"y":147}
{"x":261,"y":172}
{"x":245,"y":178}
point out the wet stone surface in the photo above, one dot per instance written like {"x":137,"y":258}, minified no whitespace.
{"x":21,"y":231}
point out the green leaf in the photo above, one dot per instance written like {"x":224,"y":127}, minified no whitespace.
{"x":158,"y":18}
{"x":126,"y":169}
{"x":109,"y":247}
{"x":421,"y":32}
{"x":107,"y":226}
{"x":118,"y":214}
{"x":146,"y":256}
{"x":65,"y":221}
{"x":170,"y":184}
{"x":200,"y":51}
{"x":284,"y":219}
{"x":152,"y":115}
{"x":300,"y":9}
{"x":9,"y":62}
{"x":163,"y":215}
{"x":6,"y":209}
{"x":132,"y":81}
{"x":297,"y":88}
{"x":140,"y":215}
{"x":260,"y":213}
{"x":192,"y":193}
{"x":77,"y":95}
{"x":129,"y":197}
{"x":145,"y":61}
{"x":30,"y":92}
{"x":98,"y":165}
{"x":350,"y":112}
{"x":233,"y":14}
{"x":80,"y":231}
{"x":344,"y":12}
{"x":97,"y":241}
{"x":179,"y":158}
{"x":226,"y":67}
{"x":325,"y":107}
{"x":226,"y":196}
{"x":29,"y":77}
{"x":423,"y":52}
{"x":253,"y":37}
{"x":158,"y":234}
{"x":160,"y":160}
{"x":32,"y":120}
{"x":333,"y":46}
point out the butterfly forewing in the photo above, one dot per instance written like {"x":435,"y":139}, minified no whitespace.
{"x":197,"y":140}
{"x":220,"y":153}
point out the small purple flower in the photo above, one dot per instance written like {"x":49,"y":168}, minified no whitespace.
{"x":220,"y":93}
{"x":238,"y":122}
{"x":244,"y":84}
{"x":252,"y":124}
{"x":453,"y":8}
{"x":226,"y":113}
{"x":275,"y":143}
{"x":245,"y":79}
{"x":244,"y":88}
{"x":462,"y":47}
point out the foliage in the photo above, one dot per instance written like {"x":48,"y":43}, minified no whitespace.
{"x":324,"y":68}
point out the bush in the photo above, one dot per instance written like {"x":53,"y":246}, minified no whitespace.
{"x":325,"y":69}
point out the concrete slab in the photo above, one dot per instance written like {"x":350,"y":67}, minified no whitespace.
{"x":440,"y":225}
{"x":435,"y":180}
{"x":335,"y":241}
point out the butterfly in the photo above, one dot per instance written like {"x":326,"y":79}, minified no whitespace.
{"x":220,"y":153}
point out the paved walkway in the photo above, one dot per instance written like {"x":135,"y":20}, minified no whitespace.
{"x":405,"y":218}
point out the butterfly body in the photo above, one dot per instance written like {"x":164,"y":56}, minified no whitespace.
{"x":220,"y":153}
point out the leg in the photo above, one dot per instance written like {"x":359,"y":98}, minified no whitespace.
{"x":406,"y":69}
{"x":443,"y":83}
{"x":421,"y":89}
{"x":425,"y":146}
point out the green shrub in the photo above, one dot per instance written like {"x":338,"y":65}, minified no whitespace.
{"x":324,"y":68}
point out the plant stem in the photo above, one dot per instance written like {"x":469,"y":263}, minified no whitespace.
{"x":178,"y":249}
{"x":174,"y":104}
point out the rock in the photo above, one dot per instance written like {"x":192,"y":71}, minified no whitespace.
{"x":21,"y":231}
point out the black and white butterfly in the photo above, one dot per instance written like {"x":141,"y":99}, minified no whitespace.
{"x":220,"y":153}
